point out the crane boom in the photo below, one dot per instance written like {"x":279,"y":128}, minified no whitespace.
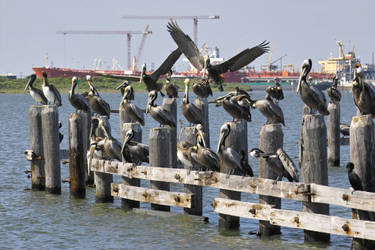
{"x":138,"y":58}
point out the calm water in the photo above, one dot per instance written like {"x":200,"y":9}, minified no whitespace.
{"x":39,"y":220}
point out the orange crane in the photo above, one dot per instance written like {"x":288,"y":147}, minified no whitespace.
{"x":195,"y":21}
{"x":109,"y":32}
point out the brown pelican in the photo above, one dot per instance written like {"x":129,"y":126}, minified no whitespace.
{"x":247,"y":170}
{"x":131,"y":109}
{"x":190,"y":50}
{"x":333,"y":92}
{"x":133,"y":151}
{"x":202,"y":89}
{"x":112,"y":147}
{"x":164,"y":68}
{"x":189,"y":110}
{"x":237,"y":106}
{"x":77,"y":100}
{"x":280,"y":163}
{"x":270,"y":110}
{"x":228,"y":157}
{"x":344,"y":129}
{"x":170,"y":88}
{"x":35,"y":93}
{"x":205,"y":156}
{"x":96,"y":148}
{"x":96,"y":102}
{"x":185,"y":149}
{"x":122,"y":87}
{"x":311,"y":96}
{"x":50,"y":92}
{"x":363,"y":93}
{"x":161,"y":115}
{"x":354,"y":179}
{"x":276,"y":91}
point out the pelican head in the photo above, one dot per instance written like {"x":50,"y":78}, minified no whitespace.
{"x":152,"y":95}
{"x":123,"y":85}
{"x":187,"y":81}
{"x":306,"y":67}
{"x":74,"y":80}
{"x":207,"y":61}
{"x":350,"y":166}
{"x":224,"y":132}
{"x":129,"y":135}
{"x":128,"y":92}
{"x":143,"y":72}
{"x":277,"y":81}
{"x":255,"y":152}
{"x":88,"y":78}
{"x":200,"y":136}
{"x":31,"y":81}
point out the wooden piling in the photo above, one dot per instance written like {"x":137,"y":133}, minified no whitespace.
{"x":314,"y":166}
{"x":237,"y":139}
{"x":333,"y":135}
{"x":124,"y":118}
{"x":89,"y":179}
{"x":103,"y":181}
{"x":170,"y":104}
{"x":51,"y":148}
{"x":271,"y":138}
{"x":159,"y":157}
{"x":125,"y":203}
{"x":36,"y":146}
{"x":196,"y":202}
{"x":362,"y":155}
{"x":77,"y":154}
{"x":202,"y":104}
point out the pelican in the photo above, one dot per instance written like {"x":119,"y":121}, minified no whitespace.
{"x":280,"y":163}
{"x":35,"y":93}
{"x":205,"y":156}
{"x":170,"y":88}
{"x":276,"y":91}
{"x":311,"y":96}
{"x":78,"y":101}
{"x":161,"y":115}
{"x":247,"y":170}
{"x":354,"y":179}
{"x":191,"y":112}
{"x":50,"y":92}
{"x":131,"y":109}
{"x":122,"y":87}
{"x":228,"y":157}
{"x":112,"y":147}
{"x":270,"y":110}
{"x":133,"y":151}
{"x":363,"y":93}
{"x":344,"y":129}
{"x":164,"y":68}
{"x":190,"y":50}
{"x":96,"y":148}
{"x":202,"y":89}
{"x":96,"y":102}
{"x":333,"y":93}
{"x":61,"y":135}
{"x":184,"y":149}
{"x":237,"y":106}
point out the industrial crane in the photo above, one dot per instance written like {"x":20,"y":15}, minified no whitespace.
{"x":110,"y":32}
{"x":195,"y":21}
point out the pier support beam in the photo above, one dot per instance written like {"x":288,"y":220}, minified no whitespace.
{"x":170,"y":105}
{"x":334,"y":135}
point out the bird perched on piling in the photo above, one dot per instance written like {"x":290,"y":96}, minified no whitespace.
{"x":247,"y":170}
{"x":276,"y":91}
{"x":133,"y":151}
{"x":205,"y":156}
{"x":35,"y":93}
{"x":96,"y":102}
{"x":170,"y":88}
{"x":333,"y":93}
{"x":238,"y":106}
{"x":202,"y":89}
{"x":354,"y":179}
{"x":344,"y":129}
{"x":131,"y":109}
{"x":77,"y":100}
{"x":363,"y":93}
{"x":311,"y":96}
{"x":50,"y":92}
{"x":280,"y":163}
{"x":122,"y":87}
{"x":271,"y":110}
{"x":190,"y":50}
{"x":186,"y":152}
{"x":191,"y":112}
{"x":161,"y":115}
{"x":112,"y":147}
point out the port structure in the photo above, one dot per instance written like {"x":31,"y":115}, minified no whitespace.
{"x":127,"y":33}
{"x":194,"y":18}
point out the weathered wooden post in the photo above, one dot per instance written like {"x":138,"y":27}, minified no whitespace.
{"x":36,"y":146}
{"x":159,"y":157}
{"x":314,"y":166}
{"x":87,"y":123}
{"x":125,"y":203}
{"x":103,"y":181}
{"x":196,"y":202}
{"x":333,"y":134}
{"x":202,"y":104}
{"x":237,"y":139}
{"x":51,"y":148}
{"x":77,"y":154}
{"x":271,"y":138}
{"x":362,"y":155}
{"x":170,"y":104}
{"x":124,"y":118}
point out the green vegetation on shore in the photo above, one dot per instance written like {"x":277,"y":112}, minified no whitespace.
{"x":102,"y":83}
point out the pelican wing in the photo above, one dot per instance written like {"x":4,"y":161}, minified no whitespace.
{"x":165,"y":115}
{"x":318,"y":95}
{"x":123,"y":77}
{"x":186,"y":45}
{"x":57,"y":94}
{"x":166,"y":66}
{"x":288,"y":164}
{"x":137,"y":112}
{"x":243,"y":58}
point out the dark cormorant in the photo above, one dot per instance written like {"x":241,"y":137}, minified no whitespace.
{"x":276,"y":91}
{"x":354,"y":179}
{"x":333,"y":93}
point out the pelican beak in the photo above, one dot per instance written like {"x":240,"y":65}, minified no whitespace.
{"x":202,"y":137}
{"x":142,"y":72}
{"x":31,"y":80}
{"x":221,"y":141}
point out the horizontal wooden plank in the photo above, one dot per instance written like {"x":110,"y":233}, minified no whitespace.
{"x":151,"y":195}
{"x":343,"y":197}
{"x":295,"y":219}
{"x":287,"y":190}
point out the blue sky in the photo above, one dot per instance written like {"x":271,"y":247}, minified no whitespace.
{"x":298,"y":28}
